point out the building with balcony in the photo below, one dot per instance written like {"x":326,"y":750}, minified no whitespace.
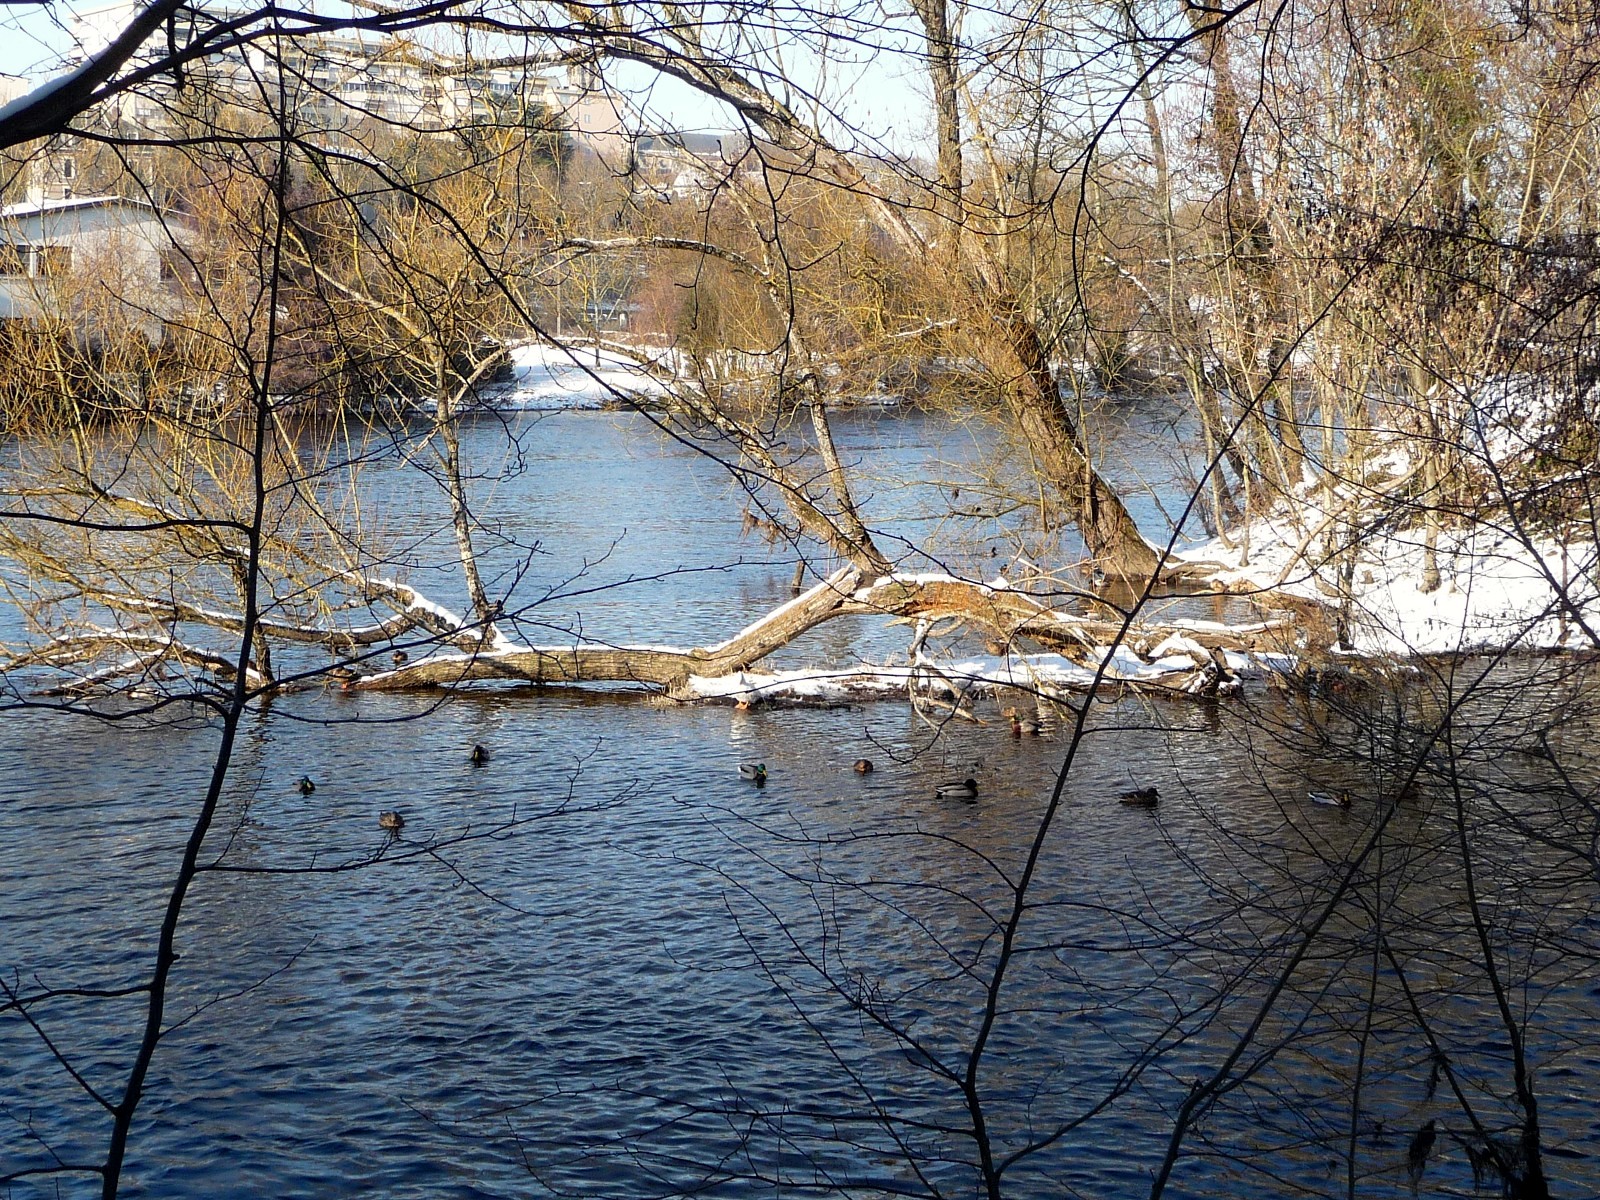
{"x":329,"y":83}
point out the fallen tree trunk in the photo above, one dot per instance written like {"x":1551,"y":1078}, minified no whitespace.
{"x":662,"y":666}
{"x":997,"y":610}
{"x":1166,"y":655}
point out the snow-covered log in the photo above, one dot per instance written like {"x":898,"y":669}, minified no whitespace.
{"x":143,"y":655}
{"x":664,"y":666}
{"x":1170,"y":656}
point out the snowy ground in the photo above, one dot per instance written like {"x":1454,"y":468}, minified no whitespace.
{"x":1496,"y":589}
{"x":552,"y":377}
{"x":1500,"y":586}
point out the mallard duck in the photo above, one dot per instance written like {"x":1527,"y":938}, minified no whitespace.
{"x":863,"y":766}
{"x":400,"y":658}
{"x":963,"y":788}
{"x":305,"y":785}
{"x":1340,"y":799}
{"x":755,"y":772}
{"x":343,"y":673}
{"x":479,"y":756}
{"x":1140,"y":797}
{"x":392,"y":821}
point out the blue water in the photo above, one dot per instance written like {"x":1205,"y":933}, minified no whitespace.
{"x":604,"y":965}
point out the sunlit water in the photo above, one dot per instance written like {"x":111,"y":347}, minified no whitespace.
{"x":604,"y":965}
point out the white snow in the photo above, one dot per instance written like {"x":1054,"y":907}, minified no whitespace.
{"x":414,"y":600}
{"x":546,"y":377}
{"x":980,"y":675}
{"x":419,"y":603}
{"x":921,"y":578}
{"x":1177,"y":644}
{"x":1511,"y":414}
{"x":48,"y":88}
{"x":1500,"y":586}
{"x":1497,"y":590}
{"x":501,"y":644}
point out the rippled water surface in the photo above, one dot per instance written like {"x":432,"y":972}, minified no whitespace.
{"x":604,"y":965}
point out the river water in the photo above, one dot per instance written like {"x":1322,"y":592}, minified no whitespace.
{"x":605,"y":965}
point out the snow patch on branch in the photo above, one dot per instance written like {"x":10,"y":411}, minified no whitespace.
{"x":927,"y":578}
{"x":980,"y":675}
{"x":418,"y":603}
{"x":50,"y":87}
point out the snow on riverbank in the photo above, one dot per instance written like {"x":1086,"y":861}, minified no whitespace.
{"x":1501,"y":584}
{"x":553,"y":377}
{"x":1496,"y":589}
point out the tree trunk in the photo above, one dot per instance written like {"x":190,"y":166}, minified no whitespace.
{"x":1007,"y":615}
{"x":444,"y":421}
{"x":867,"y":553}
{"x":1035,"y":399}
{"x":1251,"y":273}
{"x":1109,"y":532}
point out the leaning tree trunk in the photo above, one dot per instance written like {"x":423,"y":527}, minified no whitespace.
{"x":1033,"y":394}
{"x":444,"y":420}
{"x":1249,"y":251}
{"x":1036,"y":401}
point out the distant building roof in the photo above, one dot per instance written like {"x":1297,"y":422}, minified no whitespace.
{"x":33,"y":208}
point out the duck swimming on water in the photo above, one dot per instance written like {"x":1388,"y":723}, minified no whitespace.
{"x":305,"y":785}
{"x":754,"y":772}
{"x":479,"y":756}
{"x":863,"y":766}
{"x":957,"y":789}
{"x":1022,"y":726}
{"x":392,"y":821}
{"x":1140,"y":798}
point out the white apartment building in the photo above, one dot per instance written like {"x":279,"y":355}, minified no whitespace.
{"x":332,"y":82}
